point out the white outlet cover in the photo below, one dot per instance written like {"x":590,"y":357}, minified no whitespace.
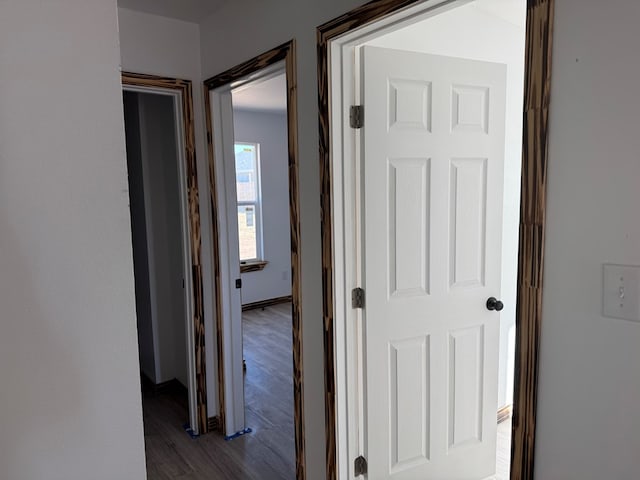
{"x":621,"y":292}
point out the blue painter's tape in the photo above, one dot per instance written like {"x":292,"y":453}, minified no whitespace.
{"x":238,"y":434}
{"x":190,"y":431}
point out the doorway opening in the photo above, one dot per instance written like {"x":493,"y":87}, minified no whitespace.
{"x":166,"y":249}
{"x":252,"y":133}
{"x":421,"y":141}
{"x":262,"y":195}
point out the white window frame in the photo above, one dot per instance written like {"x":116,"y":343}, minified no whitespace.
{"x":257,"y":204}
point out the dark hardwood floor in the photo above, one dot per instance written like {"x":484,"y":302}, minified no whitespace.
{"x":268,"y":453}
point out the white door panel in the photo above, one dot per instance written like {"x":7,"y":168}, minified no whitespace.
{"x":433,"y":150}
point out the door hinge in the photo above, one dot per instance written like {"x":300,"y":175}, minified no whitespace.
{"x":238,"y":283}
{"x":356,"y":116}
{"x":360,"y":466}
{"x":357,"y":298}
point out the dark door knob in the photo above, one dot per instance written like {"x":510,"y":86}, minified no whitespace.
{"x":494,"y":304}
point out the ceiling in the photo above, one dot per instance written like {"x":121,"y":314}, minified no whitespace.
{"x":266,"y":96}
{"x":188,"y":10}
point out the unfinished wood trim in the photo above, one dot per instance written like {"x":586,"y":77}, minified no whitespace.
{"x":533,"y":203}
{"x":360,"y":16}
{"x":266,"y":303}
{"x":296,"y":260}
{"x":215,"y":244}
{"x":532,"y":224}
{"x":214,"y":424}
{"x":193,"y":194}
{"x":249,"y":67}
{"x":324,"y":34}
{"x":253,"y":266}
{"x":286,"y":52}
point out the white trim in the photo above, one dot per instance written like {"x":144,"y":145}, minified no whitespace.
{"x":262,"y":75}
{"x":186,"y":244}
{"x":344,"y":91}
{"x":231,"y":305}
{"x":187,"y":267}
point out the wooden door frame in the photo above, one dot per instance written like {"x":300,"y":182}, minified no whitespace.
{"x":287,"y":53}
{"x":539,"y":35}
{"x":184,"y":89}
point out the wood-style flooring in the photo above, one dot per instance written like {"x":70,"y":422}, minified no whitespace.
{"x":268,"y":453}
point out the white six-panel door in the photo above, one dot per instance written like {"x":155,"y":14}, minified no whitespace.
{"x":433,"y":153}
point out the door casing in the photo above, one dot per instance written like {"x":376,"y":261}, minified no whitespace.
{"x":241,"y":73}
{"x":180,"y":90}
{"x":338,"y":146}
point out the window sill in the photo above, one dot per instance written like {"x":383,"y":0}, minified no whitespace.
{"x":252,"y":266}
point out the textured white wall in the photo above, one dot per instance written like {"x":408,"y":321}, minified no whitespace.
{"x":166,"y":47}
{"x":70,"y":401}
{"x":270,"y":131}
{"x":589,"y":401}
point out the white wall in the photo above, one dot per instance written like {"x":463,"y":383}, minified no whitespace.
{"x":269,"y":129}
{"x":159,"y":157}
{"x":70,"y":402}
{"x":233,"y":35}
{"x":589,"y":386}
{"x":482,"y":36}
{"x":166,"y":47}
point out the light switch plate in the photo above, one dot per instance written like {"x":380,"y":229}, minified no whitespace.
{"x":621,"y":291}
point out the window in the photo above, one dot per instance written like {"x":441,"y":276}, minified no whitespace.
{"x":248,"y":191}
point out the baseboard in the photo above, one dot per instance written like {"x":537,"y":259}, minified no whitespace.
{"x":172,"y":385}
{"x":213,"y":424}
{"x":265,"y":303}
{"x":504,"y":413}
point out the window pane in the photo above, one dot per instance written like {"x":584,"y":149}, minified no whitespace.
{"x":246,"y":172}
{"x":247,"y":232}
